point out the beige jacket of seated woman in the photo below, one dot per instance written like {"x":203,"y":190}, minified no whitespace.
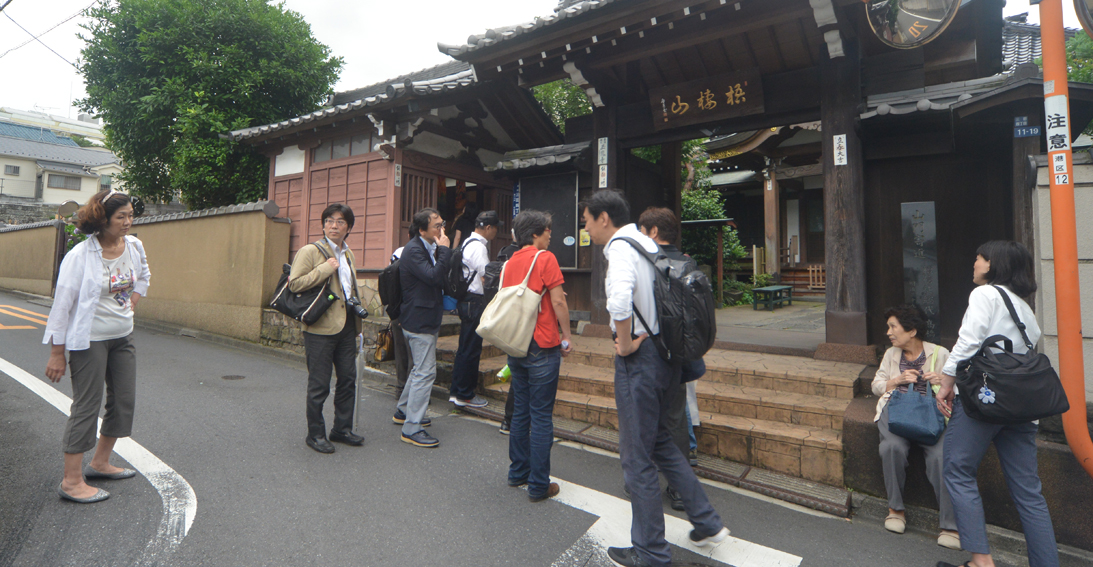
{"x":889,"y":368}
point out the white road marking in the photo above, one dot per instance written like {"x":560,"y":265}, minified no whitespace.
{"x":613,"y":529}
{"x":179,"y":500}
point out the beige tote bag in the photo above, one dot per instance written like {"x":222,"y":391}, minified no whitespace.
{"x":508,"y":322}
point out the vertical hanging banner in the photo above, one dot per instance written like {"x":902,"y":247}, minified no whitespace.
{"x":920,"y":263}
{"x":1057,"y":121}
{"x":515,"y":199}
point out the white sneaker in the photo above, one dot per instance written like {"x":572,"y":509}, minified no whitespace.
{"x":700,"y":541}
{"x":475,"y":402}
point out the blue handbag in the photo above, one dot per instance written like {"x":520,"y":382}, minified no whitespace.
{"x":915,"y":416}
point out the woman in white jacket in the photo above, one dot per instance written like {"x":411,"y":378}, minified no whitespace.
{"x":1000,"y":267}
{"x":911,"y":365}
{"x":100,"y":281}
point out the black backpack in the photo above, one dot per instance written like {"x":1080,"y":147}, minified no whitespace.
{"x":685,"y":306}
{"x":390,"y":288}
{"x":455,"y":283}
{"x":1006,"y":387}
{"x":491,"y":281}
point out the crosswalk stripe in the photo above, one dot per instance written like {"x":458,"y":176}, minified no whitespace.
{"x":613,"y":529}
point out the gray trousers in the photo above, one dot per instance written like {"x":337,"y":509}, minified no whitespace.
{"x":676,"y":418}
{"x":402,"y":356}
{"x":414,"y":400}
{"x":643,"y":385}
{"x":113,"y":363}
{"x":966,"y":441}
{"x":893,"y":458}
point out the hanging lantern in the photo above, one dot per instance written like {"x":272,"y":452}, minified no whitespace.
{"x":906,"y":24}
{"x":1084,"y":9}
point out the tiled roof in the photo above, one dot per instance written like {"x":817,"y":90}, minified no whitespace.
{"x":18,"y":147}
{"x":937,"y":97}
{"x":1021,"y":43}
{"x":429,"y":83}
{"x":34,"y":134}
{"x":268,"y":207}
{"x":565,"y":11}
{"x":64,"y":168}
{"x":432,"y":73}
{"x":523,"y":159}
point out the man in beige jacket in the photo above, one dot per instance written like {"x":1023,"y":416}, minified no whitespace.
{"x":332,"y":340}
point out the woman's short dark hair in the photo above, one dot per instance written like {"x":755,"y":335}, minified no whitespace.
{"x":420,"y":221}
{"x":95,"y":215}
{"x":1011,"y":266}
{"x":664,"y":220}
{"x":910,"y":317}
{"x":529,"y":224}
{"x":346,"y":212}
{"x":608,"y":201}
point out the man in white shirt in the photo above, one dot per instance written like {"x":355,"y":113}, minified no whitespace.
{"x":643,"y":381}
{"x":476,"y":254}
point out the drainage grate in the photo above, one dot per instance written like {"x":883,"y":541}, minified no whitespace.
{"x":233,"y":377}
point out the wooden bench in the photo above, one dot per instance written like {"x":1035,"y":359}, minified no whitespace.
{"x":771,"y":296}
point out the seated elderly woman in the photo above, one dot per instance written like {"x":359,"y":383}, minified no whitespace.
{"x":911,"y":363}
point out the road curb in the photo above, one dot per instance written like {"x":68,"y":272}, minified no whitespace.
{"x":1007,"y":546}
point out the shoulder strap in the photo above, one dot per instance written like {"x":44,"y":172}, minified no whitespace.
{"x":321,"y":249}
{"x":532,"y":267}
{"x":651,"y":256}
{"x":1013,"y":314}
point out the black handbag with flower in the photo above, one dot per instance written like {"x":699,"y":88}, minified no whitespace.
{"x":1005,"y":387}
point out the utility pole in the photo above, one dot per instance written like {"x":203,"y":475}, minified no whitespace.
{"x":1064,"y":237}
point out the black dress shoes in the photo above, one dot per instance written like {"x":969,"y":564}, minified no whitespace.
{"x":320,"y":444}
{"x":348,"y":437}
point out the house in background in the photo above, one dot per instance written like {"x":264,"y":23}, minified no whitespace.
{"x":40,"y":166}
{"x":85,"y":125}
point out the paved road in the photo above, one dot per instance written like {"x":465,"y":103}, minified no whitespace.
{"x":264,"y":498}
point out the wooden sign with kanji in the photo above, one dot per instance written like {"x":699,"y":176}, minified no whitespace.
{"x":707,"y":100}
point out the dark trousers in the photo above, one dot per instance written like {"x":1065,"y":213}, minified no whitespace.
{"x":113,"y":363}
{"x":469,"y":353}
{"x":402,"y":355}
{"x":643,"y":385}
{"x":325,"y":353}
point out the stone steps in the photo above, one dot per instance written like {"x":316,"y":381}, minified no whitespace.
{"x":780,"y":413}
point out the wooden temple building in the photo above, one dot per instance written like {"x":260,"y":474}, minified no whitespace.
{"x":828,"y":129}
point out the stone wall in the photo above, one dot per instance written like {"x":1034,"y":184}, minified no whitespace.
{"x":284,"y":332}
{"x":13,"y":213}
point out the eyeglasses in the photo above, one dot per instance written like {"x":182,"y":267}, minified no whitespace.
{"x":441,"y":225}
{"x":335,"y":222}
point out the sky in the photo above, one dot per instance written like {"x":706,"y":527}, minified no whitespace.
{"x":378,"y":39}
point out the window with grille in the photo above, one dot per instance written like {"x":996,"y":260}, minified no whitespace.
{"x":104,"y":182}
{"x":11,"y":170}
{"x":63,"y":182}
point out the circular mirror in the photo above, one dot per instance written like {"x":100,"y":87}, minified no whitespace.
{"x":138,"y":206}
{"x":1084,"y":9}
{"x":67,"y":209}
{"x":906,"y":24}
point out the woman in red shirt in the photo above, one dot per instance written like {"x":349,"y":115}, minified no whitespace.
{"x":535,"y":376}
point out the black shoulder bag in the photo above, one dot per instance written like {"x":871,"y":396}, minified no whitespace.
{"x":1009,"y":388}
{"x":305,"y":306}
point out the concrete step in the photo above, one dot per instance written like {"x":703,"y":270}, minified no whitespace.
{"x":789,"y":374}
{"x":803,"y":451}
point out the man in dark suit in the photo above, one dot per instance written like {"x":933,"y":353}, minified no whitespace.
{"x":422,"y":269}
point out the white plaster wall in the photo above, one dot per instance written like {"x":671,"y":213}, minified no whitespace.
{"x":88,"y":187}
{"x":289,"y":162}
{"x":1046,"y":307}
{"x":21,"y":185}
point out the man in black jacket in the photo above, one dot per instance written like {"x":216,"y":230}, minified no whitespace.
{"x":422,"y":268}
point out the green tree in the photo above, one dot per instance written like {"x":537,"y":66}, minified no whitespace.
{"x":1079,"y":58}
{"x":703,"y":203}
{"x":81,"y":141}
{"x":562,"y":99}
{"x":169,"y":76}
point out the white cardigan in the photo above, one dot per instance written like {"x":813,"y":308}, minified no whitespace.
{"x":987,"y":316}
{"x":79,"y":285}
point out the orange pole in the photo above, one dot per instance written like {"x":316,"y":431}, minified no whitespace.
{"x":1064,"y":236}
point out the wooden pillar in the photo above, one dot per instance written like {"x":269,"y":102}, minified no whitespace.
{"x":1023,"y":222}
{"x":607,"y":175}
{"x":844,"y":196}
{"x":671,"y":163}
{"x":772,"y":226}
